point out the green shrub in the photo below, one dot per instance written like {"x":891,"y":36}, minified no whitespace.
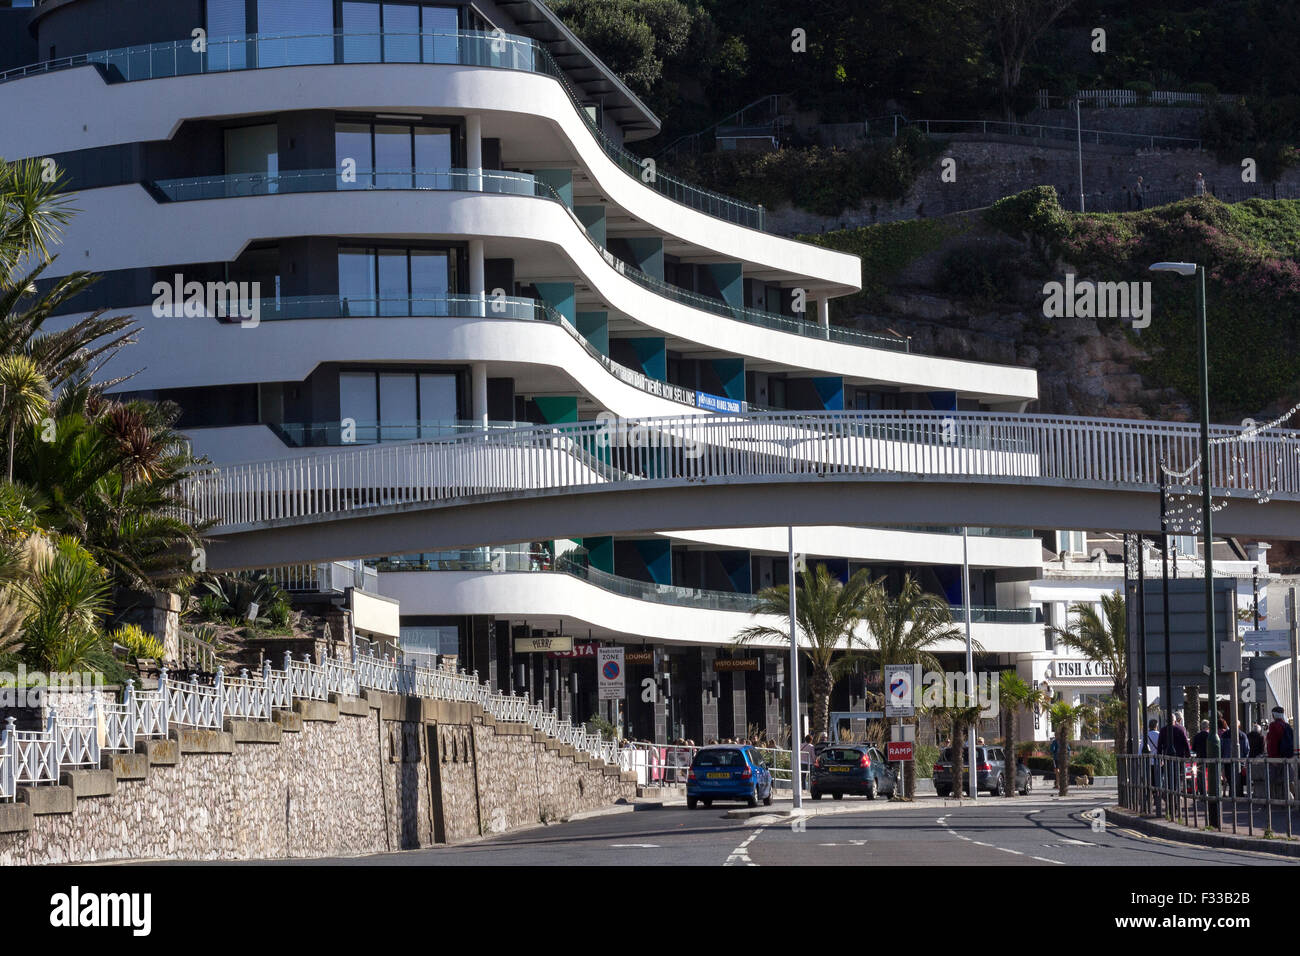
{"x":278,"y":613}
{"x":211,"y":607}
{"x":1207,"y":90}
{"x":1034,"y":213}
{"x":1082,"y":770}
{"x":1040,"y":764}
{"x":1102,"y":760}
{"x":1142,"y":88}
{"x":925,"y":756}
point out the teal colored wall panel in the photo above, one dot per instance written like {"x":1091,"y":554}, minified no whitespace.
{"x":594,"y":327}
{"x":831,"y":392}
{"x":648,"y":255}
{"x":561,"y":180}
{"x":730,"y":283}
{"x":557,"y":409}
{"x":658,"y":558}
{"x":600,"y":553}
{"x":653,"y":356}
{"x":593,"y":217}
{"x":559,"y":296}
{"x":731,"y":372}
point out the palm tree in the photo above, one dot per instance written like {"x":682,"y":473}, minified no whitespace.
{"x":1102,"y":638}
{"x":959,"y":720}
{"x":828,"y":614}
{"x":24,"y":396}
{"x":1015,"y":694}
{"x":33,"y":211}
{"x":1063,"y":716}
{"x":63,"y":602}
{"x":906,"y":630}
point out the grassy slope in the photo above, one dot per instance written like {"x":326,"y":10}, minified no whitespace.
{"x":1253,"y":280}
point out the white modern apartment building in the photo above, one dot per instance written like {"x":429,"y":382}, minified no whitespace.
{"x":438,"y":225}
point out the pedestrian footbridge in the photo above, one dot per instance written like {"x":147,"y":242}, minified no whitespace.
{"x":736,"y":471}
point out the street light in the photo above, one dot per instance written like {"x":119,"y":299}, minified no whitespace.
{"x":1212,"y":647}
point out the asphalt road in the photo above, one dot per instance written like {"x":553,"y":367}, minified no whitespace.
{"x":1039,"y":830}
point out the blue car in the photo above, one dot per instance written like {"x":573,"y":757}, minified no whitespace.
{"x":728,"y":773}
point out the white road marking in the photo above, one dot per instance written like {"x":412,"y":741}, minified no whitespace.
{"x":1043,"y":859}
{"x":637,"y":846}
{"x":740,"y":855}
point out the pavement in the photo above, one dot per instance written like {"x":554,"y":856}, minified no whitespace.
{"x":1038,"y":830}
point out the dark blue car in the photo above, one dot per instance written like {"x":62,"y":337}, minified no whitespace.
{"x":728,"y":773}
{"x":852,"y":768}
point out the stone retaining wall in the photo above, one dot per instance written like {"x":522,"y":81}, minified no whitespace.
{"x":349,"y":777}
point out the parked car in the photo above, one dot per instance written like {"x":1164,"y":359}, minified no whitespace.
{"x":852,"y":768}
{"x":990,"y":773}
{"x":728,"y":773}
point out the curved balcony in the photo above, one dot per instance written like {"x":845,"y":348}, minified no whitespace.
{"x":574,"y":564}
{"x":503,"y":183}
{"x":459,"y":48}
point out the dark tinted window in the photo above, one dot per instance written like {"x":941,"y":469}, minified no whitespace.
{"x":842,"y":755}
{"x":719,"y":758}
{"x":980,"y":754}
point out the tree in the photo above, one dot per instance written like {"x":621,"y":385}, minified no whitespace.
{"x":63,"y":601}
{"x":1017,"y":25}
{"x":828,"y":614}
{"x":1101,"y":637}
{"x":1015,"y":694}
{"x":24,"y":396}
{"x":1063,"y":716}
{"x":905,"y":630}
{"x":959,"y":720}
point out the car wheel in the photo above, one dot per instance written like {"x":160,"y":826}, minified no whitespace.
{"x":943,"y":791}
{"x":692,"y":802}
{"x":752,"y":799}
{"x":767,"y":800}
{"x":1029,"y":785}
{"x":707,"y":804}
{"x":838,"y":796}
{"x":996,"y":789}
{"x":873,"y":791}
{"x":816,"y":795}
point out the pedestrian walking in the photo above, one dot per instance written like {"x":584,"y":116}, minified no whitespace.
{"x":1139,"y":193}
{"x":1200,"y":184}
{"x":1280,"y":743}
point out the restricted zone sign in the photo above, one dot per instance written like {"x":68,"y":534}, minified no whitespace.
{"x":900,"y":682}
{"x":900,"y":750}
{"x":609,"y":673}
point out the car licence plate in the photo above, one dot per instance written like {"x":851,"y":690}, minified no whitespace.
{"x":718,"y":776}
{"x":840,"y":769}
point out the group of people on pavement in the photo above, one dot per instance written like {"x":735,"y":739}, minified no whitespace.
{"x":1275,"y":741}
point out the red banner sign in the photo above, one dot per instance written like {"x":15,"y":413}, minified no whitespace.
{"x":897,"y":750}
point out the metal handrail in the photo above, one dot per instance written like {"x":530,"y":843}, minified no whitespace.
{"x":1023,"y":449}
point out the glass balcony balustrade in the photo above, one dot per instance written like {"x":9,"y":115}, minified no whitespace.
{"x":456,"y":48}
{"x":490,"y":181}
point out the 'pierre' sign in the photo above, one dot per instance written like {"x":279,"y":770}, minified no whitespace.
{"x":538,"y":645}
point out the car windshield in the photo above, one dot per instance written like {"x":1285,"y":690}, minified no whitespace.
{"x":946,"y":755}
{"x":720,"y":758}
{"x":843,"y":755}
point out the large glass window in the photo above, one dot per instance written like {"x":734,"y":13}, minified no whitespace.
{"x":397,"y":406}
{"x":395,"y":155}
{"x":439,"y":41}
{"x":401,"y":33}
{"x":360,"y":32}
{"x":253,"y":151}
{"x":226,"y":18}
{"x":295,"y":32}
{"x":395,"y":281}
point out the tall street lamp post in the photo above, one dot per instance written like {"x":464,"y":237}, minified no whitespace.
{"x":1211,"y":644}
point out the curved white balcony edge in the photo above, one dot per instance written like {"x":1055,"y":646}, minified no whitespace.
{"x":218,"y":230}
{"x":582,"y":605}
{"x":75,"y":109}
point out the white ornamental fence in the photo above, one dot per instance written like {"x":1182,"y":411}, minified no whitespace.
{"x":29,"y":758}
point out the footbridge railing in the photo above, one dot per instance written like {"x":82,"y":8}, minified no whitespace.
{"x":1124,"y":454}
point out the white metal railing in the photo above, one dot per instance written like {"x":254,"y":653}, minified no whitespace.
{"x":37,"y":757}
{"x":33,"y":756}
{"x":76,"y":739}
{"x":192,"y":704}
{"x":1022,"y":449}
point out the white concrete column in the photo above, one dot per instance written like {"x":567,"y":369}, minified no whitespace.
{"x":474,"y":150}
{"x":478,"y":393}
{"x":824,"y":312}
{"x":478,"y":276}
